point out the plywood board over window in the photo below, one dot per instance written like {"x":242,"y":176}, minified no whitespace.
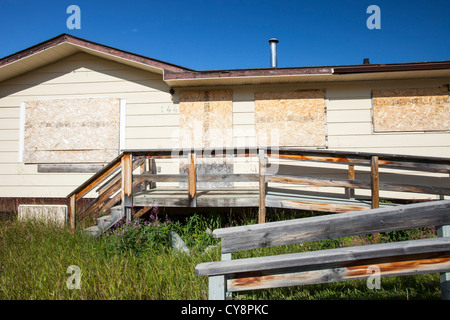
{"x":398,"y":110}
{"x":290,"y":118}
{"x":71,"y":130}
{"x":206,"y":121}
{"x":206,"y":118}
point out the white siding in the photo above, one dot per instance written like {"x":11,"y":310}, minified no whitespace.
{"x":82,"y":76}
{"x":152,"y":118}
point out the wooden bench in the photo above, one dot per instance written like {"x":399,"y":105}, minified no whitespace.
{"x":347,"y":263}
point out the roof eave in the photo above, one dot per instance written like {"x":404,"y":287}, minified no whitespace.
{"x":32,"y":58}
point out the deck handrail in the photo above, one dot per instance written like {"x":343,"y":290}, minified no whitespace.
{"x":318,"y":266}
{"x":125,"y":163}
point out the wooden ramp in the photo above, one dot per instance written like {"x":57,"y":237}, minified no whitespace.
{"x":131,"y":180}
{"x":246,"y":197}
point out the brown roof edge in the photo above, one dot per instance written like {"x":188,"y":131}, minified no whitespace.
{"x":264,"y":72}
{"x":175,"y":72}
{"x":32,"y":50}
{"x":94,"y":46}
{"x":298,"y":71}
{"x":392,"y":67}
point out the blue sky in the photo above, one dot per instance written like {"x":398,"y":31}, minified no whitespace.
{"x":231,"y":34}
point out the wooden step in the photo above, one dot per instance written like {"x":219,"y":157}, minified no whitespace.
{"x":106,"y":222}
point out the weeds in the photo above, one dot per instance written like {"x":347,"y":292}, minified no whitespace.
{"x":135,"y":261}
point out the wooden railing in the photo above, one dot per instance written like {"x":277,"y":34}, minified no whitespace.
{"x":117,"y":181}
{"x":348,"y":263}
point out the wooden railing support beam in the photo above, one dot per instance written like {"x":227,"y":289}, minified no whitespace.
{"x":73,"y":212}
{"x":127,"y":185}
{"x":192,"y":180}
{"x":375,"y":184}
{"x":350,"y":192}
{"x":444,"y":231}
{"x":262,"y":186}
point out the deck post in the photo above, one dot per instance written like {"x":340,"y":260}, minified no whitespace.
{"x":350,"y":192}
{"x":73,"y":212}
{"x":375,"y":182}
{"x":153,"y":170}
{"x":262,"y":186}
{"x":127,"y":185}
{"x":227,"y":257}
{"x":192,"y":180}
{"x":217,"y":287}
{"x":143,"y":169}
{"x":444,"y":231}
{"x":375,"y":188}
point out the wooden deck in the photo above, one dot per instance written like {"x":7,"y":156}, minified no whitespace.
{"x":132,"y":181}
{"x":249,"y":197}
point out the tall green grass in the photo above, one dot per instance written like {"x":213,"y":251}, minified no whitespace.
{"x":34,"y":258}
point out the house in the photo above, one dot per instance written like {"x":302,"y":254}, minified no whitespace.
{"x":68,"y":106}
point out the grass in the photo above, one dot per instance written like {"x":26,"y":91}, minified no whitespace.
{"x":34,"y":258}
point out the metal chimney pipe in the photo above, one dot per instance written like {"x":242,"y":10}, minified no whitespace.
{"x":273,"y":52}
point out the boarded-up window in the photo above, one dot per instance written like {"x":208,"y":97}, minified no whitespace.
{"x":206,"y":121}
{"x":398,"y":110}
{"x":206,"y":118}
{"x":290,"y":118}
{"x":71,"y":130}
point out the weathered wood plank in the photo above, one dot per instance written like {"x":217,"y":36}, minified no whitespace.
{"x":160,"y":177}
{"x":127,"y":170}
{"x":319,"y":158}
{"x":312,"y":206}
{"x":237,"y":177}
{"x":444,"y":231}
{"x":217,"y":288}
{"x":71,"y":168}
{"x":73,"y":212}
{"x":332,"y":182}
{"x":202,"y":201}
{"x":350,"y":192}
{"x":332,"y":258}
{"x":384,"y":163}
{"x":375,"y":188}
{"x":262,"y":187}
{"x":141,"y":212}
{"x":334,"y":226}
{"x":414,"y":166}
{"x":192,"y":181}
{"x":95,"y":180}
{"x":111,"y":202}
{"x":127,"y":185}
{"x":375,"y":182}
{"x":98,"y":203}
{"x":319,"y":181}
{"x":116,"y":177}
{"x":265,"y":280}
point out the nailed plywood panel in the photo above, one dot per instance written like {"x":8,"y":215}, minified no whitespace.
{"x":71,"y":130}
{"x":290,"y":118}
{"x":206,"y":121}
{"x":47,"y":213}
{"x":206,"y":118}
{"x":399,"y":110}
